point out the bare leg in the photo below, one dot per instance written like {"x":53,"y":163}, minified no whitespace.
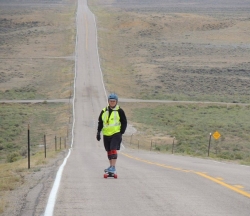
{"x":112,"y":162}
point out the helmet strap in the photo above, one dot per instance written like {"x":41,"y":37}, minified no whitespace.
{"x":113,"y":106}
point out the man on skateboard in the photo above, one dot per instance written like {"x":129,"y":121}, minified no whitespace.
{"x":112,"y":122}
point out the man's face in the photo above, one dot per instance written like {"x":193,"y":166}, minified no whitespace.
{"x":112,"y":103}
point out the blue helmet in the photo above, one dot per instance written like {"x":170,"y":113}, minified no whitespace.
{"x":113,"y":96}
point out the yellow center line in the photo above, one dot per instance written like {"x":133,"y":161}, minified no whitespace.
{"x":218,"y":180}
{"x":231,"y":187}
{"x":239,"y":186}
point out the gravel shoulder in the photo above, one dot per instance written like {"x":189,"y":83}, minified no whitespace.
{"x":30,"y":198}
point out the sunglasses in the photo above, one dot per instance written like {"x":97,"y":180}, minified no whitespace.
{"x":112,"y":100}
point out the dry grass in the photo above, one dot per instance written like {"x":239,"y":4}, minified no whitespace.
{"x":37,"y":42}
{"x":37,"y":47}
{"x":183,"y":54}
{"x":43,"y":119}
{"x":13,"y":175}
{"x":190,"y":126}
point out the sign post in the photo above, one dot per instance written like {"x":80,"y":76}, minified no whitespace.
{"x":209,"y":144}
{"x":216,"y":135}
{"x":28,"y":146}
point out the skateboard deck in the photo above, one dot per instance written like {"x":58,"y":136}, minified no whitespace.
{"x":110,"y":174}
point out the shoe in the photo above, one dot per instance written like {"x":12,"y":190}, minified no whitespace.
{"x":112,"y":169}
{"x":107,"y":169}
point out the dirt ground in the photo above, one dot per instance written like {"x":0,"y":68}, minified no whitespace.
{"x":176,"y":50}
{"x":35,"y":40}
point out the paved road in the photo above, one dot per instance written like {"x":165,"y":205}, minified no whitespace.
{"x":148,"y":183}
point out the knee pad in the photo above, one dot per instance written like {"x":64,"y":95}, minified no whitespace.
{"x":109,"y":155}
{"x":112,"y":154}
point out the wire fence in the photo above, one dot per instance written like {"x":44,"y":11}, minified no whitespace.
{"x":45,"y":144}
{"x":144,"y":143}
{"x":212,"y":148}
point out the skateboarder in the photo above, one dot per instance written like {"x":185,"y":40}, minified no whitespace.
{"x":112,"y":122}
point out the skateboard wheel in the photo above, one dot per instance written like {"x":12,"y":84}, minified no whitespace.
{"x":105,"y":175}
{"x":115,"y":176}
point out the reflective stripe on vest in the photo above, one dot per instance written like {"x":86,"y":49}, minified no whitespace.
{"x":111,"y":124}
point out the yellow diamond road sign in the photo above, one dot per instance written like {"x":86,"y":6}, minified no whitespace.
{"x":216,"y":135}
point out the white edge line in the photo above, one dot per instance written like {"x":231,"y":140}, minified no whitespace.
{"x":52,"y":197}
{"x":98,"y":54}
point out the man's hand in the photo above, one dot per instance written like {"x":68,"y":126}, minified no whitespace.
{"x":98,"y":136}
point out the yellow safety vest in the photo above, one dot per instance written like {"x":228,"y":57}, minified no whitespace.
{"x":111,"y":124}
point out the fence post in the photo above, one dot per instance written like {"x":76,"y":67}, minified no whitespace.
{"x":28,"y":146}
{"x":44,"y":141}
{"x":60,"y":143}
{"x":173,"y":146}
{"x":151,"y":146}
{"x":65,"y":140}
{"x":55,"y":144}
{"x":131,"y":139}
{"x":70,"y":90}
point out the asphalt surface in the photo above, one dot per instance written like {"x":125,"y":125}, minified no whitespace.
{"x":148,"y":183}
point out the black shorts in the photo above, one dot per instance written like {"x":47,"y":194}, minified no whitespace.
{"x":112,"y":142}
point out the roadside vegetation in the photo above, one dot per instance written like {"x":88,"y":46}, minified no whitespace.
{"x":48,"y":119}
{"x":37,"y":51}
{"x":190,"y":127}
{"x":179,"y":54}
{"x":43,"y":119}
{"x":37,"y":44}
{"x":14,"y":175}
{"x":165,"y":53}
